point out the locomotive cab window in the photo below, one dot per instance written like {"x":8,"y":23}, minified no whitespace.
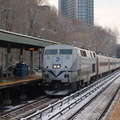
{"x":83,"y":53}
{"x":65,"y":51}
{"x":51,"y":52}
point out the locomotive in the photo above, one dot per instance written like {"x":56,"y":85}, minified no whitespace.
{"x":67,"y":68}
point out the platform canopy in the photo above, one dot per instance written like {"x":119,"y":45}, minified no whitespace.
{"x":15,"y":40}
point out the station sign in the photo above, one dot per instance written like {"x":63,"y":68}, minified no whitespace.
{"x":31,"y":49}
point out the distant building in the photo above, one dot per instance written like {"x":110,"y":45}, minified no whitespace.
{"x":83,"y":10}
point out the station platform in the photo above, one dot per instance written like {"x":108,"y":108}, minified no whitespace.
{"x":115,"y":113}
{"x":15,"y":81}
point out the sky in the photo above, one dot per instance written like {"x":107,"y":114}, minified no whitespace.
{"x":106,"y":13}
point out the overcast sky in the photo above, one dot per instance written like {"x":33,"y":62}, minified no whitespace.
{"x":106,"y":12}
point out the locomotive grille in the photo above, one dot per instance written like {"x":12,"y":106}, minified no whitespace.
{"x":56,"y":81}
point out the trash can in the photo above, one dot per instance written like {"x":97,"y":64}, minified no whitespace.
{"x":21,"y":69}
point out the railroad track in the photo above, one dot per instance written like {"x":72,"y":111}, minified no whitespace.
{"x":27,"y":109}
{"x":99,"y":105}
{"x":106,"y":109}
{"x":70,"y":108}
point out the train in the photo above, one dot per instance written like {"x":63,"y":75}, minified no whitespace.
{"x":68,"y":68}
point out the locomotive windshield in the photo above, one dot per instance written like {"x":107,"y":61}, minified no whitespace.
{"x":51,"y":52}
{"x":65,"y":51}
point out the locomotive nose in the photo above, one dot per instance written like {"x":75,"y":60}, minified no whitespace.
{"x":57,"y":87}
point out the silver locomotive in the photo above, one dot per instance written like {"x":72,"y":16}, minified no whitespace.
{"x":67,"y":68}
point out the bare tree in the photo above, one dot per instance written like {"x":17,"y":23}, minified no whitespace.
{"x":7,"y":15}
{"x":30,"y":16}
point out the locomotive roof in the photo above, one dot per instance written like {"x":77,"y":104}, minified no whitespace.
{"x":60,"y":46}
{"x":63,"y":46}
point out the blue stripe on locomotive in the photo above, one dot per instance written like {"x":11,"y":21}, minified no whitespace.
{"x":61,"y":72}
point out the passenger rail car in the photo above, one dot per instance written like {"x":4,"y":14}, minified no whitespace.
{"x":67,"y":68}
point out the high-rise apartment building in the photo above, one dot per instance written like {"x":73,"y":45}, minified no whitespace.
{"x":83,"y":10}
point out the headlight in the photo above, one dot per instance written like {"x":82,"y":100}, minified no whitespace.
{"x":55,"y":66}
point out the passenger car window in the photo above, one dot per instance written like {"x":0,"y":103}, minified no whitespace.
{"x":51,"y":51}
{"x":65,"y":51}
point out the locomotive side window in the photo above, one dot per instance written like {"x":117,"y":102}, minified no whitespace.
{"x":83,"y":53}
{"x":51,"y":52}
{"x":65,"y":51}
{"x":90,"y":54}
{"x":94,"y":55}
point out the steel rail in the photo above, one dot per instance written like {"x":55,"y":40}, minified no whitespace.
{"x":23,"y":108}
{"x":91,"y":100}
{"x":67,"y":103}
{"x":108,"y":105}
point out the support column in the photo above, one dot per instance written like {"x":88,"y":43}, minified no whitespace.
{"x":39,"y":57}
{"x":21,"y":56}
{"x":21,"y":51}
{"x":7,"y":99}
{"x":7,"y":61}
{"x":2,"y":66}
{"x":31,"y":62}
{"x":23,"y":95}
